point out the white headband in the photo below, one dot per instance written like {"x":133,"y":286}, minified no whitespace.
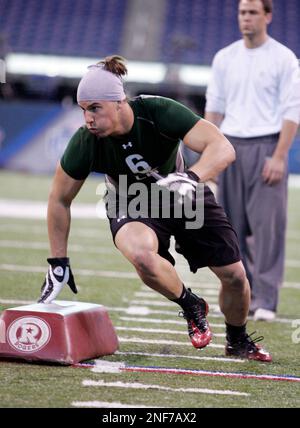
{"x":100,"y":85}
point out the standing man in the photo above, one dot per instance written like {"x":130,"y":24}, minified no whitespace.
{"x":254,"y":96}
{"x":128,"y":140}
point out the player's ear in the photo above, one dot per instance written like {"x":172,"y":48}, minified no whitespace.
{"x":269,"y":17}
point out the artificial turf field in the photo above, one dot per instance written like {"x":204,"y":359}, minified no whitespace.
{"x":150,"y":332}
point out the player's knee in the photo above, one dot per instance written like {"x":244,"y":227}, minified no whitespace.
{"x":236,"y":278}
{"x":144,"y":261}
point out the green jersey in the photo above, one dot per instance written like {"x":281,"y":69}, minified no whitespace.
{"x":152,"y":143}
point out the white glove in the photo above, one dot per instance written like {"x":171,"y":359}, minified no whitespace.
{"x":59,"y":273}
{"x":185,"y":183}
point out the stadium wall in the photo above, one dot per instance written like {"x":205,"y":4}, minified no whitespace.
{"x":33,"y":136}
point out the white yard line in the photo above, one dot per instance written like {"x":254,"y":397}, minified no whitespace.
{"x":38,"y":210}
{"x":190,"y":357}
{"x":293,"y":235}
{"x":145,"y":310}
{"x":26,"y":228}
{"x":152,"y":295}
{"x":33,"y":245}
{"x":108,"y":405}
{"x":158,"y":331}
{"x":136,"y":385}
{"x":295,"y":285}
{"x":103,"y":366}
{"x":212,"y":306}
{"x":161,"y":321}
{"x":42,"y":230}
{"x":83,"y":272}
{"x":134,"y":310}
{"x":195,"y":284}
{"x":162,"y":304}
{"x":211,"y":292}
{"x":148,"y":294}
{"x":206,"y":288}
{"x":294,"y":181}
{"x":162,"y":342}
{"x":16,"y":302}
{"x":292,"y":263}
{"x":213,"y":288}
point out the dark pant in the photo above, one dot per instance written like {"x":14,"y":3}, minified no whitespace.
{"x":258,"y":213}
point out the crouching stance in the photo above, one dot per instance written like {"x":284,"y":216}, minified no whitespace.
{"x":137,"y":142}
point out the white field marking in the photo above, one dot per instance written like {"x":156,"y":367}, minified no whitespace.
{"x":134,"y":310}
{"x":293,"y":235}
{"x":45,"y":246}
{"x":109,"y":405}
{"x":16,"y":302}
{"x":89,"y":249}
{"x":83,"y":272}
{"x":213,"y":289}
{"x":190,"y":357}
{"x":38,"y":210}
{"x":144,"y":310}
{"x":294,"y":181}
{"x":42,"y":230}
{"x":162,"y":342}
{"x":158,"y":330}
{"x":292,"y":263}
{"x":27,"y":228}
{"x":137,"y":311}
{"x":160,"y":321}
{"x":295,"y":285}
{"x":165,"y":304}
{"x":151,"y":295}
{"x":211,"y":292}
{"x":136,"y":385}
{"x":102,"y":366}
{"x":148,"y":294}
{"x":196,"y":284}
{"x":212,"y":306}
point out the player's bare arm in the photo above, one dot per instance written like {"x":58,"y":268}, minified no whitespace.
{"x":64,"y":189}
{"x":217,"y":151}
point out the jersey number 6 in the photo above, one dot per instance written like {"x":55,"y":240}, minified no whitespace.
{"x":138,"y":166}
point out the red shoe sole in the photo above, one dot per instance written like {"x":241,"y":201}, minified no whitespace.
{"x":201,"y":340}
{"x":260,"y":355}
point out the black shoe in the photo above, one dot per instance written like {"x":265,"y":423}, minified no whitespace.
{"x":247,"y":348}
{"x":198,"y":327}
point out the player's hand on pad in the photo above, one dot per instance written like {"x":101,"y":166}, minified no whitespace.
{"x":185,"y":183}
{"x":59,"y":273}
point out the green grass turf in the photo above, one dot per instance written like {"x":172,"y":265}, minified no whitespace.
{"x":46,"y":385}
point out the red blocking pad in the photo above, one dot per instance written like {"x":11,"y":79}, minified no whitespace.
{"x":63,"y":332}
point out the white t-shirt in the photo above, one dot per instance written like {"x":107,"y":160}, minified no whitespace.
{"x":255,"y":89}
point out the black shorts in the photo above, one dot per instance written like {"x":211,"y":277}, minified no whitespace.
{"x":214,"y":244}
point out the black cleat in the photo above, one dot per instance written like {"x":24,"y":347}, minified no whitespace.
{"x":198,"y":327}
{"x":247,"y":348}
